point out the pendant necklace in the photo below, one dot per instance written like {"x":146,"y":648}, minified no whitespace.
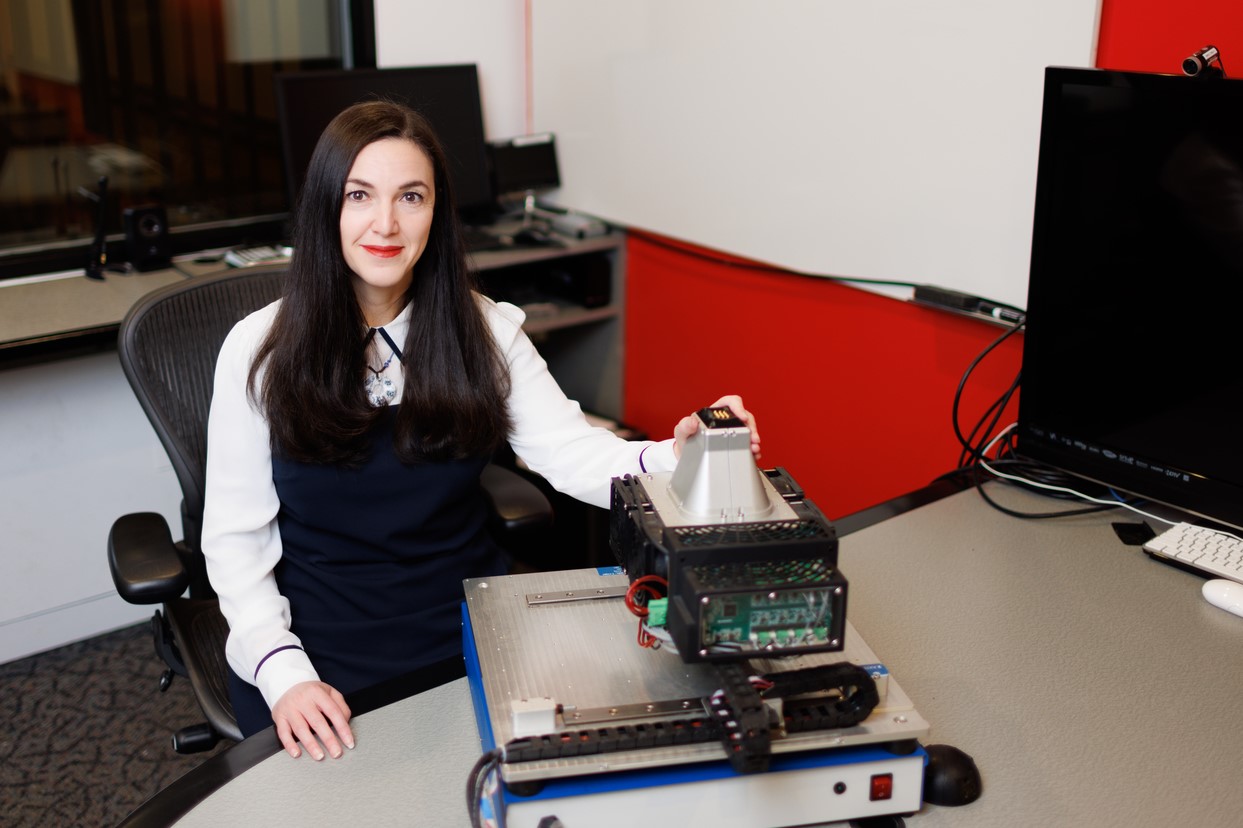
{"x":381,"y":389}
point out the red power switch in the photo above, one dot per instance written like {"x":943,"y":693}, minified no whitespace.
{"x":882,"y":786}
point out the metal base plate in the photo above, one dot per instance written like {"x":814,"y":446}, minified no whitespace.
{"x":566,"y":637}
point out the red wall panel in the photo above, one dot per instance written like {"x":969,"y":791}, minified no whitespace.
{"x":853,"y":391}
{"x":1155,"y":35}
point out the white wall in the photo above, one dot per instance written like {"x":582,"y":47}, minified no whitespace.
{"x":489,"y":33}
{"x":76,"y":452}
{"x":889,"y":140}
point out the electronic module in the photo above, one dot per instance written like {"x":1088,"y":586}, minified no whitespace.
{"x":732,"y":561}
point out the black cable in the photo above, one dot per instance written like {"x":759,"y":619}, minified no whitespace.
{"x":975,"y":450}
{"x":969,"y":448}
{"x":476,"y":781}
{"x":759,"y":267}
{"x":977,"y":442}
{"x":979,"y":487}
{"x":972,"y":448}
{"x":1038,"y":474}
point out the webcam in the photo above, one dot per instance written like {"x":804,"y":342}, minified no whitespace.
{"x":1200,"y":63}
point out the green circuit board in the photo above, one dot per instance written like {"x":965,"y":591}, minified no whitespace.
{"x":768,"y":618}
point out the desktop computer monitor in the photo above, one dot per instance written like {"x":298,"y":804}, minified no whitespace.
{"x":1131,"y":374}
{"x":525,"y":164}
{"x":448,"y":96}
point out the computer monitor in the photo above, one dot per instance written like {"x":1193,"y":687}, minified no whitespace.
{"x":1131,"y":374}
{"x":527,"y":163}
{"x":448,"y":96}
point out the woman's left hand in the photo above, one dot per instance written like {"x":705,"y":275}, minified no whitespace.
{"x":689,"y":424}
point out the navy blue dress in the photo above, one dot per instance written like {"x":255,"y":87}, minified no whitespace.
{"x":372,"y":564}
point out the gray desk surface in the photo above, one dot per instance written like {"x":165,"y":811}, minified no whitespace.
{"x":409,"y":768}
{"x":1092,"y":685}
{"x":59,"y":307}
{"x":63,"y":306}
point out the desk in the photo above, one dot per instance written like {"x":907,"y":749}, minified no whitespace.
{"x":1092,"y":685}
{"x":69,"y":306}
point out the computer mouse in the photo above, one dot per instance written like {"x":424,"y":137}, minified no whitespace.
{"x":1224,"y":594}
{"x":950,"y":777}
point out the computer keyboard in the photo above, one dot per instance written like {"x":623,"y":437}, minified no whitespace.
{"x":258,"y":255}
{"x":1199,"y":549}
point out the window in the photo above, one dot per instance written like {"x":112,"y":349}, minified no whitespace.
{"x":171,"y":101}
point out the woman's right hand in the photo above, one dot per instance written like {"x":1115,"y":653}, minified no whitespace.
{"x":312,"y":712}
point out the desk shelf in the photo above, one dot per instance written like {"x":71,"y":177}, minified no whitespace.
{"x":574,"y":299}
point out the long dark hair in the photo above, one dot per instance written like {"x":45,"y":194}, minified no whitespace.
{"x":456,"y":381}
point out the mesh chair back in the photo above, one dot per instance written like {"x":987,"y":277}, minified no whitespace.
{"x":168,"y":345}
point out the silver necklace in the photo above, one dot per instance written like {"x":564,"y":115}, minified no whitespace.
{"x":380,"y":389}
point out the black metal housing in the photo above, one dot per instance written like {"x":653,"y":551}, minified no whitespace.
{"x":715,"y":567}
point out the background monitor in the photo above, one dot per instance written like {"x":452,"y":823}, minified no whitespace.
{"x":1131,"y":371}
{"x":448,"y":96}
{"x":524,"y":164}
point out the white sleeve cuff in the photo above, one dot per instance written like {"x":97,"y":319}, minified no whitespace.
{"x":658,"y":457}
{"x":281,"y":669}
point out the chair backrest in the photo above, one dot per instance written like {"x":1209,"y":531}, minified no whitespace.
{"x":168,"y":344}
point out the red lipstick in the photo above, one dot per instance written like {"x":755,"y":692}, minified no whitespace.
{"x":382,"y":251}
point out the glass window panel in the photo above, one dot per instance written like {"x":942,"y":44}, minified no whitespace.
{"x":172,"y":101}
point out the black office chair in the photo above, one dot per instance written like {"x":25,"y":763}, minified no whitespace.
{"x":168,"y":345}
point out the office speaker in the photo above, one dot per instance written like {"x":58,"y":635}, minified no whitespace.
{"x":147,"y":245}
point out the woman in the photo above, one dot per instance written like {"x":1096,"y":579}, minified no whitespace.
{"x":349,"y":425}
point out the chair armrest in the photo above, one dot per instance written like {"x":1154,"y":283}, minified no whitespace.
{"x":518,"y":505}
{"x":144,"y":561}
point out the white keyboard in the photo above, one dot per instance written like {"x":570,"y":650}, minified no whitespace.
{"x":1194,"y":547}
{"x":260,"y":255}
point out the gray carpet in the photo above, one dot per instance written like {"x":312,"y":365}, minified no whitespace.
{"x":85,"y":734}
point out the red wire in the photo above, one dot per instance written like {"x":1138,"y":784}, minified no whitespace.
{"x":645,"y":638}
{"x":644,"y":584}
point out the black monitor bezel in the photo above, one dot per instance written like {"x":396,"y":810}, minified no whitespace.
{"x":1187,"y":490}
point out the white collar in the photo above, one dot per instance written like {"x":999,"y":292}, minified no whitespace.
{"x":400,"y":325}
